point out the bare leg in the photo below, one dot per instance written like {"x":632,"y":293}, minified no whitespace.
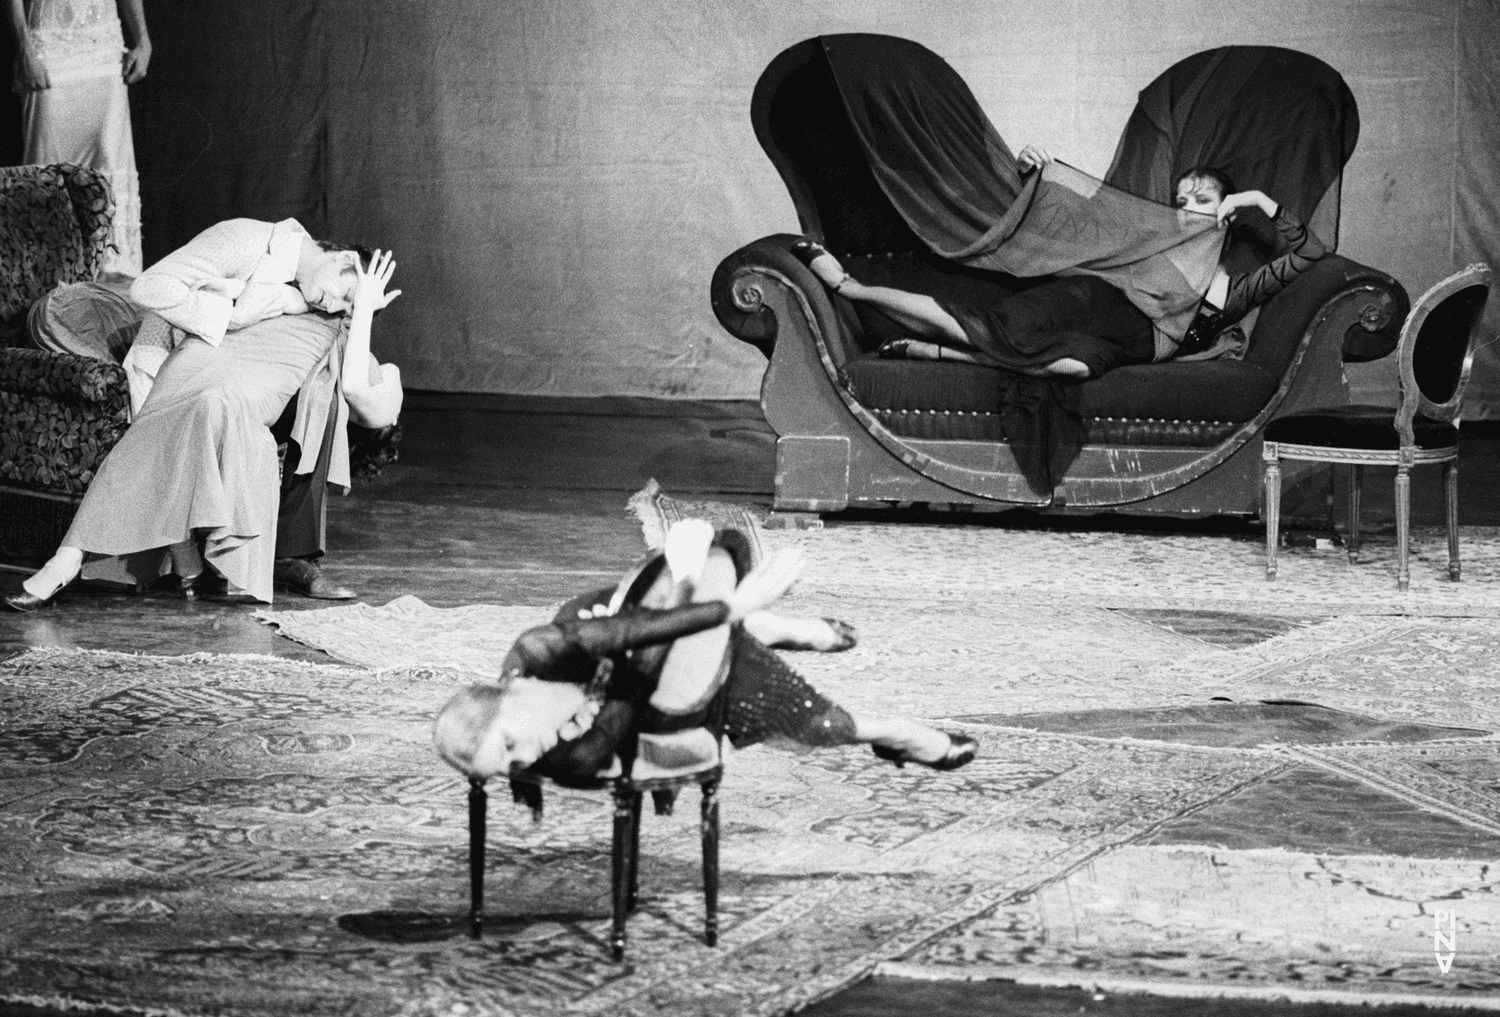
{"x":57,"y":573}
{"x":826,"y":635}
{"x":925,"y":317}
{"x":915,"y":311}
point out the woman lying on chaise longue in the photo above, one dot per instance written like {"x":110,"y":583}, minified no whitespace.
{"x":1081,"y":326}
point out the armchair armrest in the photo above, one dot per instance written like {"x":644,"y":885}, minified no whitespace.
{"x":736,"y":298}
{"x":63,"y":376}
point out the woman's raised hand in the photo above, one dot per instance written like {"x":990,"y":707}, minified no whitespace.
{"x":1033,"y":156}
{"x":369,"y":290}
{"x":1230,"y":206}
{"x":765,"y":584}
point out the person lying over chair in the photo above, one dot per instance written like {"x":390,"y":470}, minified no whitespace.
{"x":571,"y":693}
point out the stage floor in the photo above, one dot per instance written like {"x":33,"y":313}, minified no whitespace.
{"x":521,"y":501}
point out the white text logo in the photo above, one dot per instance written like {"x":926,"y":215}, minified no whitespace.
{"x":1444,"y":941}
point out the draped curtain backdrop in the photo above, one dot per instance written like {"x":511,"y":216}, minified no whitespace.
{"x":559,"y":178}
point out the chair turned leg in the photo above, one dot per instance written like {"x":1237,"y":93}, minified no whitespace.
{"x":1450,"y":496}
{"x":633,"y":860}
{"x":619,"y":870}
{"x":1273,"y":515}
{"x":478,"y":806}
{"x":710,"y":829}
{"x":1403,"y":527}
{"x":1356,"y":485}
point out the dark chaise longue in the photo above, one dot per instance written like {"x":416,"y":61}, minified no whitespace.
{"x":1174,"y":438}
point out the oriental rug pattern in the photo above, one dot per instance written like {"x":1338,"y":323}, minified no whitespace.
{"x":186,"y":833}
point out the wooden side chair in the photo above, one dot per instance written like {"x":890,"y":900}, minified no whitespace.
{"x":1436,"y":352}
{"x":659,"y":763}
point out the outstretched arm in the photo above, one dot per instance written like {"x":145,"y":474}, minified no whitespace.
{"x":556,"y":651}
{"x":373,"y":389}
{"x":565,"y":650}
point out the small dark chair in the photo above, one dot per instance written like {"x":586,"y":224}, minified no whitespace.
{"x":661,"y":763}
{"x":1436,"y":352}
{"x":628,"y":788}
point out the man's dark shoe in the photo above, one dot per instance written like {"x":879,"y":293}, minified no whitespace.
{"x":298,"y":575}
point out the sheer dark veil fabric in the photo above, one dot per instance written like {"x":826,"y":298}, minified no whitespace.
{"x":1273,"y":119}
{"x":955,"y":181}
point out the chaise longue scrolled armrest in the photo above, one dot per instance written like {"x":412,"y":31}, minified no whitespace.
{"x":1178,"y":438}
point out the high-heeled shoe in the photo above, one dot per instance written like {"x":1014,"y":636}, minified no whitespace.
{"x":961,"y":750}
{"x":25,"y":602}
{"x":848,"y":635}
{"x":807,"y":250}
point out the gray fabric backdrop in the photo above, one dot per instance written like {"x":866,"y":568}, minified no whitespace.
{"x":560,"y":177}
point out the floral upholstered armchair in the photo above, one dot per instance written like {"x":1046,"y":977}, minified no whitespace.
{"x":60,"y":414}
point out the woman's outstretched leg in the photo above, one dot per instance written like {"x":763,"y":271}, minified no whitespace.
{"x":767,"y":699}
{"x":916,"y":311}
{"x":919,"y":313}
{"x":825,"y":635}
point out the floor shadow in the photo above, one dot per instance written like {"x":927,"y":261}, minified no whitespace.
{"x":426,"y":927}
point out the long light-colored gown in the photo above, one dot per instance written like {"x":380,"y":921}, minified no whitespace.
{"x":84,"y":117}
{"x":199,"y":457}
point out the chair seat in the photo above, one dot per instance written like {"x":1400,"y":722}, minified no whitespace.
{"x":1370,"y":428}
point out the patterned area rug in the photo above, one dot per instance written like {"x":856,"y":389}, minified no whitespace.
{"x":204,"y":833}
{"x":247,"y":835}
{"x":408,"y":633}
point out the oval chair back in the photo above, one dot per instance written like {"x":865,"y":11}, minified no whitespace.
{"x":1437,"y":348}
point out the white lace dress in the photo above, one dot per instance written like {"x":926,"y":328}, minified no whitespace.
{"x":84,"y":117}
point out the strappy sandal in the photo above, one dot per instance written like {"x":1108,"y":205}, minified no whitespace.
{"x":807,"y":250}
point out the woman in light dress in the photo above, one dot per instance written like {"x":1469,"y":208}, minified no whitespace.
{"x":72,"y":66}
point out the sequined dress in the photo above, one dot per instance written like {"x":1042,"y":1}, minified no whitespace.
{"x":763,"y":698}
{"x":84,"y":117}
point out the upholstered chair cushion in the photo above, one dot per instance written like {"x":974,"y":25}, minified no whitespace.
{"x":1358,"y":427}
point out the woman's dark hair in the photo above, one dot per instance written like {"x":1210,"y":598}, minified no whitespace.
{"x":1213,"y":173}
{"x":363,"y":252}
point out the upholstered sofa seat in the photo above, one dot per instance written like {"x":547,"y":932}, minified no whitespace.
{"x":1173,"y":404}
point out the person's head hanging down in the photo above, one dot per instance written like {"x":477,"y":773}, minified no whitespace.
{"x":655,"y":656}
